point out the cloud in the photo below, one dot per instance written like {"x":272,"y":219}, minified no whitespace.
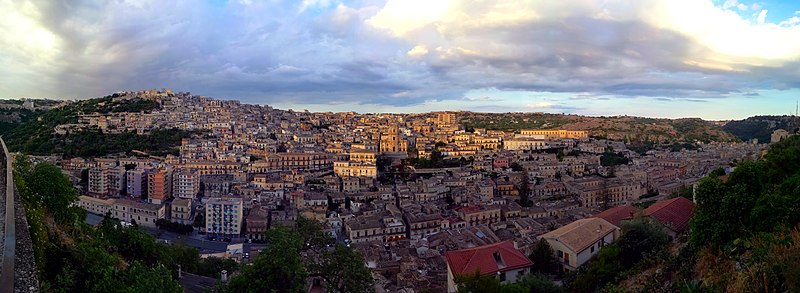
{"x":762,"y":16}
{"x":482,"y":99}
{"x":399,"y":53}
{"x":418,"y":51}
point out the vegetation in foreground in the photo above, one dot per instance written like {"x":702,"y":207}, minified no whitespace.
{"x":72,"y":256}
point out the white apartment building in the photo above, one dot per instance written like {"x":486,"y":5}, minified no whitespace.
{"x":224,"y":216}
{"x":185,"y":184}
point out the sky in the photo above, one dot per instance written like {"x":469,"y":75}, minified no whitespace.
{"x":713,"y":59}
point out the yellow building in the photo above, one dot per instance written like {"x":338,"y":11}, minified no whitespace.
{"x":556,"y":133}
{"x":390,"y":141}
{"x":355,"y":169}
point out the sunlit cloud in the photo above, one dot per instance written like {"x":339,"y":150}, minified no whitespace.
{"x":582,"y":56}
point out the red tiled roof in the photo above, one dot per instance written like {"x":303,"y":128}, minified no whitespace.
{"x":673,"y":213}
{"x":481,"y":258}
{"x":616,"y":214}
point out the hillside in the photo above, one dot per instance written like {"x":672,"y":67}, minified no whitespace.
{"x":32,"y":131}
{"x":744,"y":234}
{"x":617,"y":127}
{"x":761,"y":127}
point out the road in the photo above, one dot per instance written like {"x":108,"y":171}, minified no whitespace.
{"x":195,"y":240}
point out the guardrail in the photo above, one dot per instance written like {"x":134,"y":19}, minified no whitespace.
{"x":10,"y":237}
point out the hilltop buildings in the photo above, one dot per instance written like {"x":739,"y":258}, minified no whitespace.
{"x":412,"y":192}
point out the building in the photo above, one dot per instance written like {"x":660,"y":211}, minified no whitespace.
{"x":137,"y":183}
{"x":95,"y":205}
{"x":355,"y":169}
{"x":618,"y":214}
{"x":598,"y":192}
{"x":501,"y":260}
{"x":524,"y":144}
{"x":98,"y":181}
{"x":185,"y":184}
{"x":421,"y":224}
{"x":575,"y":243}
{"x":778,"y":135}
{"x":257,"y":222}
{"x":115,"y":178}
{"x":479,"y":215}
{"x":390,"y":141}
{"x":672,"y":214}
{"x":224,"y":216}
{"x":182,"y":211}
{"x":145,"y":214}
{"x":446,"y":119}
{"x":383,"y":227}
{"x":556,"y":133}
{"x":159,"y":185}
{"x":126,"y":210}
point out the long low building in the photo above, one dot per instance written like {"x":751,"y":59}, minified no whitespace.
{"x":145,"y":214}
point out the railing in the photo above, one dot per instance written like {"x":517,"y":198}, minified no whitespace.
{"x":10,"y":237}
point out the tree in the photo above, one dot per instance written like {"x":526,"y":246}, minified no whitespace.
{"x":56,"y":192}
{"x":639,"y":237}
{"x":311,"y":233}
{"x":543,"y":258}
{"x":343,"y":270}
{"x":279,"y":268}
{"x":212,"y":266}
{"x":476,"y":283}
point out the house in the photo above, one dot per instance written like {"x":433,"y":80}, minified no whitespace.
{"x":500,"y":259}
{"x":672,"y":214}
{"x":617,"y":214}
{"x":575,"y":243}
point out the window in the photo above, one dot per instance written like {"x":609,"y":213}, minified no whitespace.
{"x":502,"y":276}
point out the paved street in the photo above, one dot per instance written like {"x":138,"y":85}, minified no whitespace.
{"x":195,"y":240}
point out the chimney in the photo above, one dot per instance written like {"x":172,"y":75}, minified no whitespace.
{"x":224,"y":276}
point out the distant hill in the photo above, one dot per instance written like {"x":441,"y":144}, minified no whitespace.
{"x":618,"y":127}
{"x":761,"y":127}
{"x":32,"y":131}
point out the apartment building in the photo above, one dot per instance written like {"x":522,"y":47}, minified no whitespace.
{"x":224,"y":216}
{"x":159,"y":185}
{"x":181,"y":211}
{"x":98,"y":181}
{"x":185,"y":184}
{"x":137,"y":183}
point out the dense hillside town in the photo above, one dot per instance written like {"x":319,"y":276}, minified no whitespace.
{"x":420,"y":196}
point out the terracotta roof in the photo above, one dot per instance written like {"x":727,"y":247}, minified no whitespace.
{"x":488,"y":259}
{"x":673,"y":213}
{"x":582,"y":233}
{"x":616,"y":214}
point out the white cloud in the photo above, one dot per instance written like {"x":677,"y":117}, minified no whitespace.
{"x":762,"y":16}
{"x":794,"y":20}
{"x":418,"y":51}
{"x":403,"y":16}
{"x":732,"y":39}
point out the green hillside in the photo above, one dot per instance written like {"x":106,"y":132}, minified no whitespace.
{"x":761,"y":127}
{"x":32,"y":132}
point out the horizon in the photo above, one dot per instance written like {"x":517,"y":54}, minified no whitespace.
{"x":415,"y":113}
{"x":714,"y":60}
